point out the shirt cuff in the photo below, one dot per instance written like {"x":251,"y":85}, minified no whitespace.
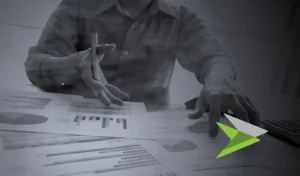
{"x":209,"y":69}
{"x":46,"y":73}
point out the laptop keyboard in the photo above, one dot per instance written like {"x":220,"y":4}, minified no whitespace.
{"x":291,"y":127}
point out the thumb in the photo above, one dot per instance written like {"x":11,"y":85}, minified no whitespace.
{"x":106,"y":48}
{"x":100,"y":49}
{"x":199,"y":109}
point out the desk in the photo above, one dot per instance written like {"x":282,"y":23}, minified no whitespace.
{"x":268,"y":157}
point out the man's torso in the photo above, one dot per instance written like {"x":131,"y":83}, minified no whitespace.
{"x":145,"y":48}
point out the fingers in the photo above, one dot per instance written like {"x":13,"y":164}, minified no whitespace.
{"x":199,"y":109}
{"x":218,"y":97}
{"x":233,"y":103}
{"x":103,"y":98}
{"x":102,"y":93}
{"x":117,"y":92}
{"x":106,"y":48}
{"x":97,"y":88}
{"x":254,"y":117}
{"x":100,"y":51}
{"x":87,"y":77}
{"x":214,"y":115}
{"x":113,"y":98}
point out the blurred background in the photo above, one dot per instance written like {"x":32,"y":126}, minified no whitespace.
{"x":261,"y":35}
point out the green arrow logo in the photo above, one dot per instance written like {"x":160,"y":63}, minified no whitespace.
{"x":244,"y":136}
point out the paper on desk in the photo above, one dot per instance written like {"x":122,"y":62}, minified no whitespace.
{"x":59,"y":121}
{"x":199,"y":156}
{"x":56,"y":106}
{"x":109,"y":158}
{"x":22,"y":111}
{"x":33,"y":100}
{"x":62,"y":102}
{"x":80,"y":116}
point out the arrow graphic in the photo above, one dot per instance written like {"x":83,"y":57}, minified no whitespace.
{"x":244,"y":135}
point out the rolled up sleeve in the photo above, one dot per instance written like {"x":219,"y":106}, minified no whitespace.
{"x":197,"y":51}
{"x":58,"y":39}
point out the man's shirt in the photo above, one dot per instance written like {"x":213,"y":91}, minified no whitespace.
{"x":146,"y":47}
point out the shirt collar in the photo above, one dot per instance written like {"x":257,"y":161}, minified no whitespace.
{"x":157,"y":5}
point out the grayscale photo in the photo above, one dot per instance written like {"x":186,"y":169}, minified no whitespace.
{"x":149,"y":87}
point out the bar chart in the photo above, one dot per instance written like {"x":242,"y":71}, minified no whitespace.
{"x":25,"y":102}
{"x":92,"y":108}
{"x":104,"y":121}
{"x":18,"y":140}
{"x":116,"y":158}
{"x":70,"y":155}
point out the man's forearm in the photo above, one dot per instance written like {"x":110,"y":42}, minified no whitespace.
{"x":219,"y":71}
{"x":47,"y":71}
{"x":216,"y":69}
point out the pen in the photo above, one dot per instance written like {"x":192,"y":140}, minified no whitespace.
{"x":95,"y":66}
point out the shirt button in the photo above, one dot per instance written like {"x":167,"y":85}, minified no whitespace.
{"x":119,"y":81}
{"x":125,"y":53}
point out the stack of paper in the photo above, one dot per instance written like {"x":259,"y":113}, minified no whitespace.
{"x":65,"y":114}
{"x":65,"y":135}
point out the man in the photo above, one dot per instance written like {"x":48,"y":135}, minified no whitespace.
{"x":141,"y":40}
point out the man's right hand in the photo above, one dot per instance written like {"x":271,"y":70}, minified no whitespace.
{"x":105,"y":92}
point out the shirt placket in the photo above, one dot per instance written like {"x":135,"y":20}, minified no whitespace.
{"x":131,"y":40}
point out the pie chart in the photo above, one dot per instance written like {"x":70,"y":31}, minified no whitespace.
{"x":177,"y":145}
{"x":21,"y":119}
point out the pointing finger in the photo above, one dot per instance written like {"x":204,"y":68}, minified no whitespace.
{"x":254,"y":117}
{"x":199,"y":109}
{"x":214,"y":116}
{"x":113,"y":98}
{"x":103,"y":98}
{"x":238,"y":109}
{"x":117,"y":92}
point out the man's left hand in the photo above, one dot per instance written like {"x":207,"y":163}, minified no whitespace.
{"x":218,"y":95}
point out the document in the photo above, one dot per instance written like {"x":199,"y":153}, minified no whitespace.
{"x":31,"y":111}
{"x":65,"y":114}
{"x":10,"y":141}
{"x":62,"y":122}
{"x":193,"y":156}
{"x":70,"y":103}
{"x":33,"y":100}
{"x":186,"y":152}
{"x":109,"y":157}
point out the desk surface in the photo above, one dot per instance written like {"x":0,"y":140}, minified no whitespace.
{"x":270,"y":156}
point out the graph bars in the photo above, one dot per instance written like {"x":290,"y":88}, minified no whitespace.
{"x":17,"y":140}
{"x":125,"y":156}
{"x":105,"y":121}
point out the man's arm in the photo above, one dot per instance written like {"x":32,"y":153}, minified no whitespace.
{"x":199,"y":53}
{"x":203,"y":56}
{"x":47,"y":65}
